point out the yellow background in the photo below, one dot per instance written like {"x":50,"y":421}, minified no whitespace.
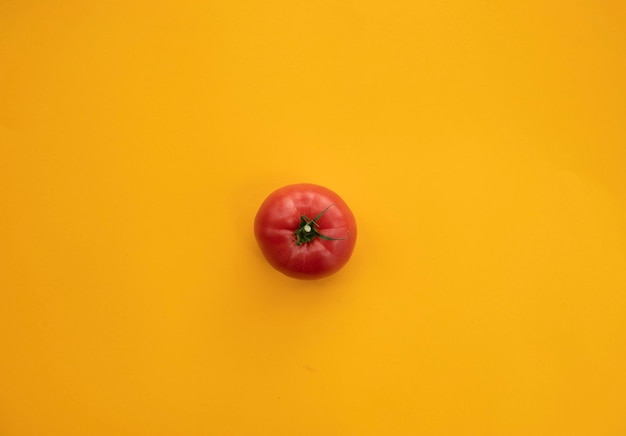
{"x":481,"y":146}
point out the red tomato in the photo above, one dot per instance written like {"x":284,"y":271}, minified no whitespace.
{"x":305,"y":231}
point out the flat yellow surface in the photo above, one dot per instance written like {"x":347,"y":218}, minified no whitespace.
{"x":481,"y":146}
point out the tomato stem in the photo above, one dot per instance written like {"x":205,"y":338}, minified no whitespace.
{"x":307,"y":231}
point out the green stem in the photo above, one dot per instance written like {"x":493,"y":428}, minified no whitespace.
{"x":307,"y":231}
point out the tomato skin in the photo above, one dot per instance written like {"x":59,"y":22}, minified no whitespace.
{"x":281,"y":215}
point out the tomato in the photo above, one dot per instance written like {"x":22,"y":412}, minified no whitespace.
{"x":305,"y":231}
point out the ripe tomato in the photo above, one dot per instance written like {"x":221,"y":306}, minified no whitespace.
{"x":305,"y":231}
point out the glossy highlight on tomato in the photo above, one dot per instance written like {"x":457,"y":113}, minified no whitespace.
{"x":305,"y":231}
